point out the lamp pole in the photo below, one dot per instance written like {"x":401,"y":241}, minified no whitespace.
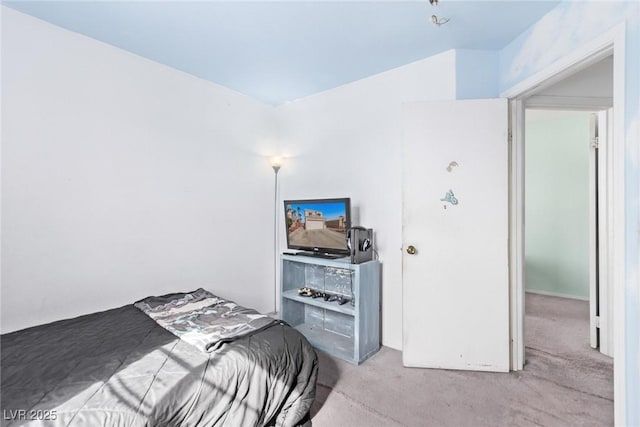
{"x":276,"y":169}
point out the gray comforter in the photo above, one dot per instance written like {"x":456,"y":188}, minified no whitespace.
{"x":119,"y":368}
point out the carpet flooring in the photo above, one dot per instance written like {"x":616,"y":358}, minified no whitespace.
{"x":564,"y":383}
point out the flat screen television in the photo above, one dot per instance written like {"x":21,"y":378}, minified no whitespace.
{"x":318,"y":226}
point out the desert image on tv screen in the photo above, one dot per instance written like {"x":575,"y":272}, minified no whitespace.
{"x":317,"y":225}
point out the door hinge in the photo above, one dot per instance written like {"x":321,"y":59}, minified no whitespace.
{"x":597,"y":321}
{"x":595,"y":143}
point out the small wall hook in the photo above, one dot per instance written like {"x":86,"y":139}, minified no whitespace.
{"x":438,"y":21}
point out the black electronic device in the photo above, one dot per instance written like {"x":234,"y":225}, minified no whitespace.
{"x":318,"y":226}
{"x":360,"y":244}
{"x":329,"y":297}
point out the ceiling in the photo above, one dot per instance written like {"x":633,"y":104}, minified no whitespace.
{"x":278,"y":51}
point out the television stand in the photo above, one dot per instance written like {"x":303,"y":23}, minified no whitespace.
{"x":349,"y":331}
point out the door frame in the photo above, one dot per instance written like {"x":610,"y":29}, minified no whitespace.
{"x":611,"y":42}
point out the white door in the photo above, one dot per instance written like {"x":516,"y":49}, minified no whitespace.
{"x":593,"y":230}
{"x":600,"y":205}
{"x":455,"y":224}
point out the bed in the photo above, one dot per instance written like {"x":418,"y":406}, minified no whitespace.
{"x":120,"y":368}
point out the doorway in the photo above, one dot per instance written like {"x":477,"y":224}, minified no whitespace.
{"x":566,"y":216}
{"x":562,"y":197}
{"x":566,"y":197}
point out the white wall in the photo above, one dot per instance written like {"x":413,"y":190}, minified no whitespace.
{"x":347,"y":142}
{"x":557,"y":202}
{"x":123,"y":178}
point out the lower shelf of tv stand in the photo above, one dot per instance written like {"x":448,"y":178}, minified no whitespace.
{"x":329,"y":342}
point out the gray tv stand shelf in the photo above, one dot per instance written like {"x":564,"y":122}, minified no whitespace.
{"x":351,"y":331}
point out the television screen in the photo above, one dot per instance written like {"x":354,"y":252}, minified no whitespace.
{"x":318,"y":225}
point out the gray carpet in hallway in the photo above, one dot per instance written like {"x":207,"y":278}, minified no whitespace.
{"x":565,"y":382}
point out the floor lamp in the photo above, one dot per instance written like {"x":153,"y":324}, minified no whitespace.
{"x":275,"y":164}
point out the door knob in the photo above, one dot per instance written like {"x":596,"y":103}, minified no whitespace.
{"x":411,"y":250}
